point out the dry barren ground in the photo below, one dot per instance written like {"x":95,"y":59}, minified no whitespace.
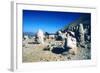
{"x":32,"y":52}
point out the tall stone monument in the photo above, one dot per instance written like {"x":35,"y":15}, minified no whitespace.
{"x":81,"y":34}
{"x":40,"y":37}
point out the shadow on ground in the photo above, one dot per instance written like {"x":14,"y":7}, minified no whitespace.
{"x":58,"y":50}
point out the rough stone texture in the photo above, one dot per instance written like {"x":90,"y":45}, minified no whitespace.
{"x":61,"y":36}
{"x":71,"y":43}
{"x":40,"y":37}
{"x":81,"y":34}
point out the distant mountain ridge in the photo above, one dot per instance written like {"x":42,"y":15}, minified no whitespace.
{"x":85,"y":20}
{"x":29,"y":34}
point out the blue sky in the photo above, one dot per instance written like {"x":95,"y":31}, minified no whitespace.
{"x":48,"y":21}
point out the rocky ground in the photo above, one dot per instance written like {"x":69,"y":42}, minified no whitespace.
{"x":33,"y":52}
